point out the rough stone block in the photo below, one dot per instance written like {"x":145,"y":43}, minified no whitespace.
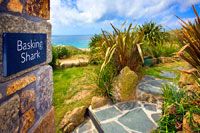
{"x":39,"y":92}
{"x":45,"y":88}
{"x":27,"y":99}
{"x":17,"y":24}
{"x":20,"y":83}
{"x":9,"y":115}
{"x":47,"y":124}
{"x":38,"y":8}
{"x":15,"y":6}
{"x":27,"y":120}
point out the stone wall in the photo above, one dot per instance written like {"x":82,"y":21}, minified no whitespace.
{"x":26,"y":97}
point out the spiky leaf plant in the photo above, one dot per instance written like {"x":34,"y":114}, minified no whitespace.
{"x":154,"y":37}
{"x":190,"y":40}
{"x":121,"y":48}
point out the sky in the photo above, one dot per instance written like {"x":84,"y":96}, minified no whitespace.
{"x":88,"y":17}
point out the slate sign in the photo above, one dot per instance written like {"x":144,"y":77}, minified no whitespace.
{"x":22,"y":51}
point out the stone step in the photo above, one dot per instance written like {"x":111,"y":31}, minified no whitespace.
{"x":86,"y":127}
{"x":125,"y":117}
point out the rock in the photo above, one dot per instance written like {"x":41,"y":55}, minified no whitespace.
{"x":194,"y":88}
{"x":9,"y":115}
{"x":15,"y":6}
{"x":27,"y":120}
{"x":20,"y":83}
{"x":72,"y":119}
{"x":124,"y":86}
{"x":186,"y":126}
{"x":38,"y":8}
{"x":47,"y":124}
{"x":148,"y":98}
{"x":186,"y":79}
{"x":99,"y":102}
{"x":27,"y":99}
{"x":152,"y":99}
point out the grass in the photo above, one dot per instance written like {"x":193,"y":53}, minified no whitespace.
{"x":67,"y":83}
{"x":169,"y":67}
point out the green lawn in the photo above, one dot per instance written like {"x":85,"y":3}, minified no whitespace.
{"x":67,"y":83}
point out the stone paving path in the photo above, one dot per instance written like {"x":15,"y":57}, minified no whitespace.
{"x":131,"y":116}
{"x":126,"y":117}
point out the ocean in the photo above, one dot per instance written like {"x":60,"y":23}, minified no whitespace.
{"x":79,"y":41}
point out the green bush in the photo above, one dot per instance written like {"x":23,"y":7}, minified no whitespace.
{"x":118,"y":50}
{"x":121,"y":48}
{"x":54,"y":58}
{"x":178,"y":104}
{"x":62,"y":52}
{"x":105,"y":80}
{"x":154,"y":37}
{"x":165,"y":50}
{"x":95,"y":56}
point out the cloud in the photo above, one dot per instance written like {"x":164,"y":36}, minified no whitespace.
{"x":76,"y":13}
{"x":171,"y":22}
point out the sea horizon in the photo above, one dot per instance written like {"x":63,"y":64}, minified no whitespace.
{"x":79,"y":41}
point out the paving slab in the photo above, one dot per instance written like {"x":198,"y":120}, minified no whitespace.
{"x":137,"y":120}
{"x":149,"y":88}
{"x":127,"y":105}
{"x":168,"y":74}
{"x":178,"y":68}
{"x":113,"y":127}
{"x":150,"y":107}
{"x":86,"y":127}
{"x":156,"y":116}
{"x":107,"y":113}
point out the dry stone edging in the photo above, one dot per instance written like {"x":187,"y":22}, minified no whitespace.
{"x":76,"y":63}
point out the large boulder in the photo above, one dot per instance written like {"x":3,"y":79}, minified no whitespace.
{"x":124,"y":86}
{"x":72,"y":119}
{"x":99,"y":102}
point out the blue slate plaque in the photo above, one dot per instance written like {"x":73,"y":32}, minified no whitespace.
{"x":22,"y":51}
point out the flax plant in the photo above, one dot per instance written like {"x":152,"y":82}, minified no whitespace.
{"x":190,"y":40}
{"x":121,"y":48}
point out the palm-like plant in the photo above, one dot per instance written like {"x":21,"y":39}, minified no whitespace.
{"x":121,"y":48}
{"x":153,"y":37}
{"x":190,"y":40}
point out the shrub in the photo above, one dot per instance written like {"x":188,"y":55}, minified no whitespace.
{"x":154,"y":37}
{"x":54,"y":58}
{"x":190,"y":40}
{"x":105,"y":79}
{"x":178,"y":104}
{"x":121,"y":48}
{"x":62,"y":52}
{"x":95,"y":51}
{"x":165,"y":50}
{"x":118,"y":50}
